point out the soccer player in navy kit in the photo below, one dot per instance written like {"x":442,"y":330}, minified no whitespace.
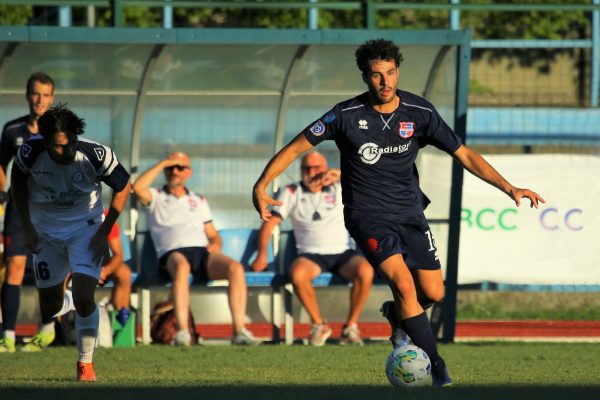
{"x":39,"y":95}
{"x":378,"y":134}
{"x":56,"y":184}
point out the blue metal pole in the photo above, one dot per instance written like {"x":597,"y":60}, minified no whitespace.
{"x":455,"y":16}
{"x":168,"y":17}
{"x":64,"y":16}
{"x":595,"y":83}
{"x":313,"y":16}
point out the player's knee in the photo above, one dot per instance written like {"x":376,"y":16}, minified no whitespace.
{"x":235,"y":271}
{"x":125,"y":274}
{"x":84,"y":302}
{"x":364,"y":272}
{"x":405,"y":288}
{"x":300,"y":276}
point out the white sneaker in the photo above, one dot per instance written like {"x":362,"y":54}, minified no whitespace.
{"x":244,"y":337}
{"x":182,"y":338}
{"x":351,"y":335}
{"x":319,"y":334}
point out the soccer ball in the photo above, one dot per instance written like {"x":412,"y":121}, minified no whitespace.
{"x":408,"y":366}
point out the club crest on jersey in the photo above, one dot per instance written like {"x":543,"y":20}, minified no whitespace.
{"x":406,"y":129}
{"x":317,"y":129}
{"x":25,"y":150}
{"x":100,"y":153}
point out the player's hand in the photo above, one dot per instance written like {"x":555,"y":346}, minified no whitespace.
{"x":213,"y":248}
{"x":32,"y":240}
{"x":517,"y":194}
{"x":261,"y":201}
{"x":174,"y":159}
{"x":331,"y":176}
{"x":260,"y":263}
{"x":102,"y":278}
{"x":99,"y":246}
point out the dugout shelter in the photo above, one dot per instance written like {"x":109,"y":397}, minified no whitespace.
{"x":230,"y":98}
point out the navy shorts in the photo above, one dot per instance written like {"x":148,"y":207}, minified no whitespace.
{"x":14,"y":239}
{"x":382,"y":235}
{"x":331,"y":262}
{"x":196,"y":256}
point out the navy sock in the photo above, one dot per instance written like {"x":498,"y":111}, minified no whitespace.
{"x":46,"y":319}
{"x":420,"y":333}
{"x":11,"y":297}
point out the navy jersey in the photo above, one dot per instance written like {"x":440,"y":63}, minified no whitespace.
{"x":378,"y":151}
{"x":14,"y":134}
{"x":63,"y":196}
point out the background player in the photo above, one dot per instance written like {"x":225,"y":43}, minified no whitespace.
{"x":39,"y":95}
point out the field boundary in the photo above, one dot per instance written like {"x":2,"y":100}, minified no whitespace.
{"x":465,"y":330}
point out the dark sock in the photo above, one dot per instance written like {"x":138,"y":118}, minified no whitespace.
{"x":419,"y":330}
{"x":11,"y":296}
{"x":46,"y":319}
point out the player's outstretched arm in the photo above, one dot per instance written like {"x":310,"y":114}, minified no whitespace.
{"x":274,"y":168}
{"x":478,"y":166}
{"x":99,"y":242}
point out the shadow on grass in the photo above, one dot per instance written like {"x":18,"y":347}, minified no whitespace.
{"x":96,"y":391}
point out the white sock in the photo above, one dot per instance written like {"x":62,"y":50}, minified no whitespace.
{"x":87,"y":333}
{"x":68,"y":304}
{"x":8,"y":334}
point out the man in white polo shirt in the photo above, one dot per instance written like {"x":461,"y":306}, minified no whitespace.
{"x":187,"y":241}
{"x":314,"y":206}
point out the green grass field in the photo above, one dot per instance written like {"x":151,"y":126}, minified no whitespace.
{"x":480,"y":371}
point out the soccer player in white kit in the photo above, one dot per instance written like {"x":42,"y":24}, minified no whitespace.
{"x":56,"y":185}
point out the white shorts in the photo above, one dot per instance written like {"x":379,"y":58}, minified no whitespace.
{"x":58,"y":257}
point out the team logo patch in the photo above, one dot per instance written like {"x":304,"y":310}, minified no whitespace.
{"x":317,"y":129}
{"x":100,"y":153}
{"x":329,"y":117}
{"x":372,"y":245}
{"x":406,"y":129}
{"x":25,"y":150}
{"x":329,"y":198}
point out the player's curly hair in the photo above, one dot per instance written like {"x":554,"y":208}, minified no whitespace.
{"x":377,"y":49}
{"x":60,"y":119}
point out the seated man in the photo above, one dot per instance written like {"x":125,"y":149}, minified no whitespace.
{"x":187,"y":241}
{"x":315,"y":208}
{"x":117,"y":270}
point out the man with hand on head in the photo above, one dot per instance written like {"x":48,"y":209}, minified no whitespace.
{"x":186,"y":241}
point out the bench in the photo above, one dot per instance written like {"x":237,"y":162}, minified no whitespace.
{"x":239,"y":244}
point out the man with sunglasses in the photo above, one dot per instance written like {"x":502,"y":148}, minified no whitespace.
{"x":314,"y":206}
{"x":187,"y":241}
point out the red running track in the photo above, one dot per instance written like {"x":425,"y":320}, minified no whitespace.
{"x":464,"y":329}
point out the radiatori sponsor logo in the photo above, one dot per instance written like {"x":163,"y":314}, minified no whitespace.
{"x":370,"y":153}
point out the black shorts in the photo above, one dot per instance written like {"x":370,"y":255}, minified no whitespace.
{"x":196,"y":256}
{"x":14,"y":239}
{"x":381,"y":235}
{"x":331,"y":262}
